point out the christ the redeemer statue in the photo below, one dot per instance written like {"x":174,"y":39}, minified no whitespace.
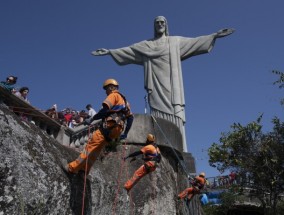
{"x":161,"y":58}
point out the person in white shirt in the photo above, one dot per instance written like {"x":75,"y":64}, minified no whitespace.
{"x":91,"y":111}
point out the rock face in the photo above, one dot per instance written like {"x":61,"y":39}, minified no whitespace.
{"x":32,"y":182}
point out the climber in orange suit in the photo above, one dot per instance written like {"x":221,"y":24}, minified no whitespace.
{"x":197,"y":185}
{"x":113,"y":113}
{"x":151,"y":156}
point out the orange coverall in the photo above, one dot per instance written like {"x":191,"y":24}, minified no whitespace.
{"x":197,"y":185}
{"x":100,"y":137}
{"x":149,"y":153}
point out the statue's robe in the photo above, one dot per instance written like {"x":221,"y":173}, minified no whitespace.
{"x":163,"y":80}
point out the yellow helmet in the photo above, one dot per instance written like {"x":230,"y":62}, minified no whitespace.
{"x":202,"y":174}
{"x":150,"y":138}
{"x":110,"y":81}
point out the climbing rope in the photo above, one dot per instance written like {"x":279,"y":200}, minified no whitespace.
{"x":153,"y":178}
{"x":85,"y":176}
{"x":146,"y":103}
{"x":169,"y":143}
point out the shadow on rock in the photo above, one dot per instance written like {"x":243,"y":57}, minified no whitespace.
{"x":77,"y":192}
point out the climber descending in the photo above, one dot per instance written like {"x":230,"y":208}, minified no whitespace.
{"x":113,"y":114}
{"x":197,"y":185}
{"x":151,"y":156}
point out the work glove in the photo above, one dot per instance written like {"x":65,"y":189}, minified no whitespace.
{"x":190,"y":178}
{"x":88,"y":121}
{"x":123,"y":136}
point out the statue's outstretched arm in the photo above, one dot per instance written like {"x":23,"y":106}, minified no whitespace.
{"x":100,"y":52}
{"x":224,"y":32}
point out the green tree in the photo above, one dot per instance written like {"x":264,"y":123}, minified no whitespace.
{"x":279,"y":82}
{"x":227,"y":201}
{"x":258,"y":158}
{"x":280,"y":207}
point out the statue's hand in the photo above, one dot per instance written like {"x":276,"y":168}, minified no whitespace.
{"x":224,"y":32}
{"x":99,"y":52}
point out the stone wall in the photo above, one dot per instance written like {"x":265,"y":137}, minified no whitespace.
{"x":32,"y":182}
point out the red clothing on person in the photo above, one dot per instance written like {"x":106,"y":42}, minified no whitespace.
{"x":68,"y":117}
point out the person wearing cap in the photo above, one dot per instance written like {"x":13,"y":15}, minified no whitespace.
{"x":113,"y":119}
{"x":197,"y":185}
{"x":151,"y":156}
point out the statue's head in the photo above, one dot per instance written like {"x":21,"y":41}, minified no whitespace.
{"x":161,"y":26}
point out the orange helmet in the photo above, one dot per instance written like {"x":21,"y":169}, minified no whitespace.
{"x":110,"y":82}
{"x":202,"y":174}
{"x":150,"y":138}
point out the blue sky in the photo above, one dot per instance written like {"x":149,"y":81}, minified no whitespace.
{"x":47,"y":44}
